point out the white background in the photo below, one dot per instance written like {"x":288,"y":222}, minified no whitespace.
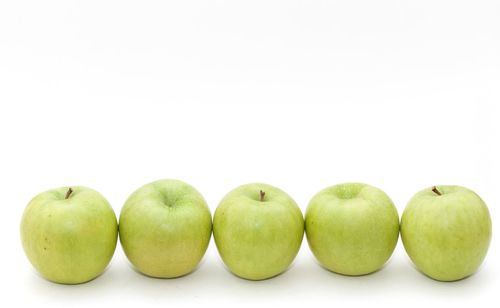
{"x":299,"y":94}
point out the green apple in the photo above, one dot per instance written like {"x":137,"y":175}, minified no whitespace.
{"x":446,"y":231}
{"x":352,"y":228}
{"x":69,"y":234}
{"x":258,"y":230}
{"x":165,"y":228}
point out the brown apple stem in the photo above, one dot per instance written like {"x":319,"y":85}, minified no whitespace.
{"x":68,"y":193}
{"x":436,"y":191}
{"x":262,"y":194}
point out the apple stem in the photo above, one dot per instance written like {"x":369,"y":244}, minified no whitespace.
{"x":68,"y":193}
{"x":436,"y":191}
{"x":262,"y":194}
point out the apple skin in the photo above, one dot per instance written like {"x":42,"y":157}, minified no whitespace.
{"x":71,"y":240}
{"x":446,"y":236}
{"x":258,"y":239}
{"x":352,"y":228}
{"x":165,"y":228}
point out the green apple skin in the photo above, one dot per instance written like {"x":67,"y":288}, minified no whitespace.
{"x":71,"y":240}
{"x":258,"y":239}
{"x":352,"y":228}
{"x":446,"y":236}
{"x":165,"y":228}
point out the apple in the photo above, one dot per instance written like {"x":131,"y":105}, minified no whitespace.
{"x":69,"y":234}
{"x":258,"y":230}
{"x":165,"y":228}
{"x":352,"y":228}
{"x":446,"y":231}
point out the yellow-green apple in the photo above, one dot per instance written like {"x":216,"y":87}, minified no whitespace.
{"x":258,"y":230}
{"x":69,"y":234}
{"x":446,"y":231}
{"x":352,"y":228}
{"x":165,"y":227}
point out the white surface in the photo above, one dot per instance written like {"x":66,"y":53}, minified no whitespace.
{"x":299,"y":94}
